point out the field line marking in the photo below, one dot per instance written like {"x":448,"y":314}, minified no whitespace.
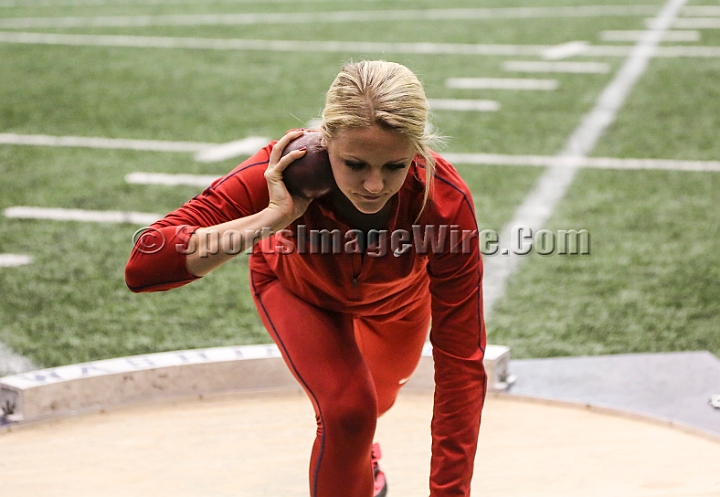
{"x":86,"y":216}
{"x":200,"y":180}
{"x":561,"y":67}
{"x":501,"y":84}
{"x":14,"y":260}
{"x":223,"y":151}
{"x":588,"y":11}
{"x":697,"y":23}
{"x":108,"y":143}
{"x":115,"y":3}
{"x":540,"y":203}
{"x":125,"y":41}
{"x":463,"y":105}
{"x":667,"y":51}
{"x":468,"y":14}
{"x":635,"y":35}
{"x":565,"y":50}
{"x":140,"y":178}
{"x":694,"y":51}
{"x":702,"y":10}
{"x":204,"y":152}
{"x":251,"y":144}
{"x":587,"y":162}
{"x":267,"y":45}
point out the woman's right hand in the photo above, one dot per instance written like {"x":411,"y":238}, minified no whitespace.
{"x":290,"y":207}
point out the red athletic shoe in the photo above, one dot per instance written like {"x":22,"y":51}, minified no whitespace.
{"x":380,"y":481}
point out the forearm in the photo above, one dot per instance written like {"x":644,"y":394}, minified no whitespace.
{"x":459,"y":398}
{"x":209,"y":248}
{"x":458,"y":339}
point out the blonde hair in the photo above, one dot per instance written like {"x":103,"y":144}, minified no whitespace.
{"x":383,"y":94}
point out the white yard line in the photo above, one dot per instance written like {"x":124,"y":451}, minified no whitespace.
{"x":561,"y":67}
{"x":115,"y":3}
{"x":585,"y":11}
{"x":202,"y":181}
{"x":701,"y":10}
{"x":697,"y":23}
{"x":501,"y":84}
{"x":86,"y":216}
{"x":680,"y":51}
{"x":140,"y":178}
{"x":661,"y":52}
{"x":565,"y":50}
{"x":540,"y":203}
{"x":628,"y":35}
{"x":252,"y":144}
{"x":323,"y":17}
{"x":14,"y":260}
{"x":246,"y":146}
{"x":204,"y":152}
{"x":510,"y":13}
{"x":332,"y":46}
{"x":463,"y":105}
{"x":268,"y":45}
{"x":108,"y":143}
{"x":589,"y":162}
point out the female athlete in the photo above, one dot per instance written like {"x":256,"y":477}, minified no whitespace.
{"x":351,"y":317}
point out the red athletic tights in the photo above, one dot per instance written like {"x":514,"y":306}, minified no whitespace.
{"x":351,"y":369}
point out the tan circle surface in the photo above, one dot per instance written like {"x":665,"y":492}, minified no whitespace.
{"x":243,"y":445}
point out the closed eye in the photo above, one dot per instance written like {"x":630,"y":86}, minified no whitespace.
{"x":355,"y":166}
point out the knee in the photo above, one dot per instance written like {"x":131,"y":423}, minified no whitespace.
{"x":354,"y":415}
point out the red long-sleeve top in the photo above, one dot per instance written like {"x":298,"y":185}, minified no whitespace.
{"x":369,"y":284}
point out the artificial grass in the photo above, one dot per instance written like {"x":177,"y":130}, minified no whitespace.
{"x":497,"y":30}
{"x":673,"y":113}
{"x":213,"y":96}
{"x":155,"y":94}
{"x":72,"y":305}
{"x":57,"y":8}
{"x":649,"y":284}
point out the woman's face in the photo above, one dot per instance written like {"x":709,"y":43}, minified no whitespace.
{"x":370,"y":165}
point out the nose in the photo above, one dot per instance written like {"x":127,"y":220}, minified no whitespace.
{"x":374,"y":182}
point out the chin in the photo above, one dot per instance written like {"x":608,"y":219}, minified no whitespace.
{"x":365,"y":210}
{"x":367,"y":207}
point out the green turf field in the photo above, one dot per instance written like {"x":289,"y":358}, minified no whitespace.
{"x":649,"y":284}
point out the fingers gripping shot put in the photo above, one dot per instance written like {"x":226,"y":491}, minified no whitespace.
{"x":349,"y":319}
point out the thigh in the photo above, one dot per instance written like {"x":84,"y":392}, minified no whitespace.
{"x":317,"y":345}
{"x":392,"y":347}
